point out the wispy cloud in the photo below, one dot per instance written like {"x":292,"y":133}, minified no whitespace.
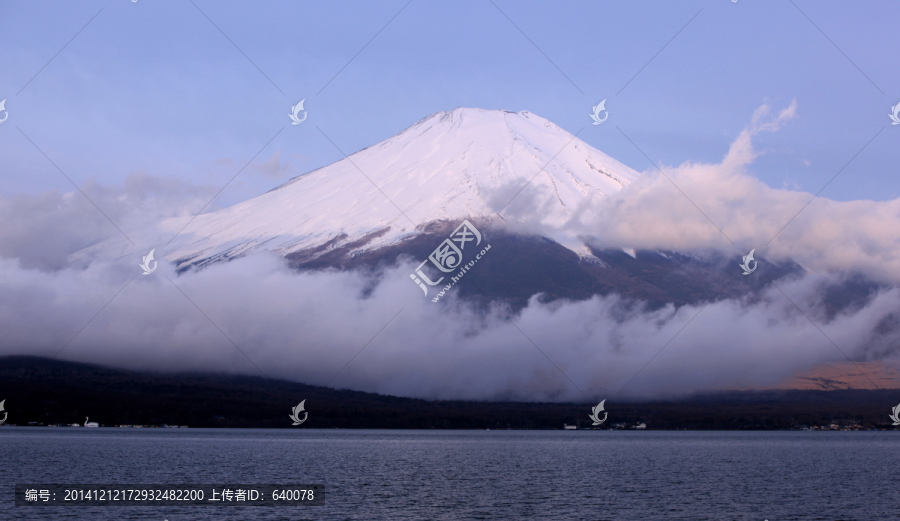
{"x":825,"y":236}
{"x":42,"y":230}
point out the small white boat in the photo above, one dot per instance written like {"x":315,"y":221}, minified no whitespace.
{"x":90,"y":424}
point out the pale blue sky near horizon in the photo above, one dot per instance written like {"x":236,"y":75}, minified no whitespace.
{"x":155,"y":87}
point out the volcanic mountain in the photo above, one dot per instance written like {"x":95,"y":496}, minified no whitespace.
{"x":462,"y":164}
{"x":517,"y":177}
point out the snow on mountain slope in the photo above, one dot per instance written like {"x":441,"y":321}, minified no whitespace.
{"x":466,"y":163}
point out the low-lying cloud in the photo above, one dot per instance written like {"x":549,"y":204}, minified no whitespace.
{"x":307,"y":326}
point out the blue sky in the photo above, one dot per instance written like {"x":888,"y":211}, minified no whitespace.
{"x":153,"y":86}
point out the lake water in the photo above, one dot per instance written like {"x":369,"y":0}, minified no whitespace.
{"x":438,"y":475}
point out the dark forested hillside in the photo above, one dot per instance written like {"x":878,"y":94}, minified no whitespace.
{"x":49,"y":392}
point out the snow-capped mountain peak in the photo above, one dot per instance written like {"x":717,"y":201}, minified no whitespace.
{"x":465,"y":163}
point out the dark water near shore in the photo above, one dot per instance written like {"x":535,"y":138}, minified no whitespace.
{"x":428,"y":475}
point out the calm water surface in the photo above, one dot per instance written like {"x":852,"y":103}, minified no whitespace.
{"x":437,"y":475}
